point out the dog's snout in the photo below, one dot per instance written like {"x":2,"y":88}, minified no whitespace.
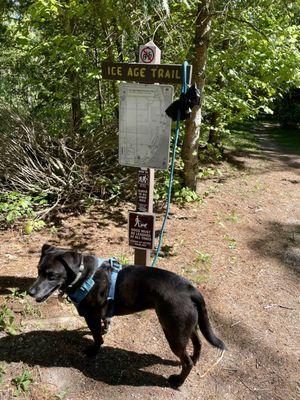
{"x":32,"y":291}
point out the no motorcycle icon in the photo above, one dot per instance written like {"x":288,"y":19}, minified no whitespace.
{"x":147,"y":55}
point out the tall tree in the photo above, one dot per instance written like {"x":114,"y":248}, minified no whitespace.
{"x":245,"y":54}
{"x":199,"y":61}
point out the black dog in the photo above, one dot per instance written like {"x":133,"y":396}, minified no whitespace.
{"x":179,"y":306}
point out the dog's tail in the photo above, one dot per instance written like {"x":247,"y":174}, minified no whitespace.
{"x":204,"y":323}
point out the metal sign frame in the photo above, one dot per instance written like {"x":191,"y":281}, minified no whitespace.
{"x":144,"y":128}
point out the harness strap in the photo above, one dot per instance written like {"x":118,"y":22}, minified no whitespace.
{"x":88,"y":284}
{"x":116,"y":268}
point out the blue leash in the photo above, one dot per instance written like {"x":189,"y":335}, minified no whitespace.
{"x":171,"y":178}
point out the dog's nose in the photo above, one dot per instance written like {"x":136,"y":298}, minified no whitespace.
{"x":32,"y":291}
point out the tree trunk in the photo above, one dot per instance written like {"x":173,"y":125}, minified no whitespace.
{"x":76,"y":117}
{"x":191,"y":140}
{"x":110,"y":45}
{"x":98,"y":82}
{"x":75,"y":102}
{"x":213,"y":137}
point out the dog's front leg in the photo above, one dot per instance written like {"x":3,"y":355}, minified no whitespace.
{"x":94,"y":323}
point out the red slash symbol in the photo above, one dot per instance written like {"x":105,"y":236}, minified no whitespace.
{"x":147,"y":55}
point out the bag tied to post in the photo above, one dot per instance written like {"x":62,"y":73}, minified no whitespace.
{"x":184,"y":104}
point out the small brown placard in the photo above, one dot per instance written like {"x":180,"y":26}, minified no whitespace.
{"x":141,"y":230}
{"x":143,"y":190}
{"x":153,"y":73}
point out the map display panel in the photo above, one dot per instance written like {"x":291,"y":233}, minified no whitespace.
{"x":144,"y":127}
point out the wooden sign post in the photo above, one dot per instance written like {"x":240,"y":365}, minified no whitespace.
{"x":143,"y":256}
{"x":148,"y":54}
{"x":144,"y":133}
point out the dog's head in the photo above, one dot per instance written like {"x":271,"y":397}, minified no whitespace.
{"x":56,"y":269}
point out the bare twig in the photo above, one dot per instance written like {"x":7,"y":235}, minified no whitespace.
{"x":278,"y":305}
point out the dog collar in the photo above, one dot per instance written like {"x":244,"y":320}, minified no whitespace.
{"x":82,"y":291}
{"x":78,"y":276}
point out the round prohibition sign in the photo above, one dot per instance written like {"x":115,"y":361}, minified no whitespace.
{"x":147,"y":55}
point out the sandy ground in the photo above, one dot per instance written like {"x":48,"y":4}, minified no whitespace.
{"x":240,"y":247}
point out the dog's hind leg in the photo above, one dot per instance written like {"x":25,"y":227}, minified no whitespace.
{"x":178,"y":343}
{"x":178,"y":321}
{"x":186,"y":363}
{"x":196,"y":345}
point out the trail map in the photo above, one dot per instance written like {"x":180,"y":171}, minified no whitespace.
{"x":144,"y":127}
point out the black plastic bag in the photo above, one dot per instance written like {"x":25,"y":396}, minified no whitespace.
{"x":184,"y":104}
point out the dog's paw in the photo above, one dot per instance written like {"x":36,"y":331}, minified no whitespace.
{"x":175,"y":381}
{"x":91,"y":351}
{"x":106,"y":326}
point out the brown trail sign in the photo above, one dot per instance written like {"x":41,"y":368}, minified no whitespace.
{"x":141,"y":230}
{"x":144,"y":73}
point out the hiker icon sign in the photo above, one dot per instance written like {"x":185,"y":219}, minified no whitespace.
{"x":141,"y":230}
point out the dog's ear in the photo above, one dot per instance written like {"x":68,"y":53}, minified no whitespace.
{"x":46,"y":248}
{"x":72,"y":259}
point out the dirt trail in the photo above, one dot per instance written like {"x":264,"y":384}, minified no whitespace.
{"x":241,"y":248}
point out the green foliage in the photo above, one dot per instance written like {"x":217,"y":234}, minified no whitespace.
{"x":2,"y":373}
{"x":203,"y":258}
{"x":287,"y":108}
{"x":168,"y":251}
{"x":231,"y":242}
{"x":199,"y":270}
{"x":180,"y":194}
{"x":50,"y":56}
{"x":209,"y":172}
{"x":232,"y":216}
{"x":254,"y":57}
{"x":123,"y":259}
{"x":62,"y":395}
{"x":7,"y":318}
{"x":16,"y":295}
{"x":186,"y":195}
{"x":15,"y":206}
{"x":287,"y":137}
{"x":210,"y":153}
{"x":32,"y":225}
{"x":242,"y":138}
{"x":26,"y":301}
{"x":22,"y":382}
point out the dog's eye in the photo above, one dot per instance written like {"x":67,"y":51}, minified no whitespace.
{"x":51,"y":277}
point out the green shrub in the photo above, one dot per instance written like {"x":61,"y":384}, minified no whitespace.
{"x":15,"y":206}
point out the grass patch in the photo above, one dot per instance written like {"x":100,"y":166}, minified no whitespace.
{"x":199,"y":271}
{"x":286,"y":137}
{"x":242,"y":138}
{"x":231,"y":242}
{"x":22,"y":382}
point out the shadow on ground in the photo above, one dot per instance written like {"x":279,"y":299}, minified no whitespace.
{"x":260,"y":368}
{"x":113,"y":366}
{"x":281,"y":241}
{"x":19,"y":283}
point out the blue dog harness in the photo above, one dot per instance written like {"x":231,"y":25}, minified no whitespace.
{"x":88,"y":284}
